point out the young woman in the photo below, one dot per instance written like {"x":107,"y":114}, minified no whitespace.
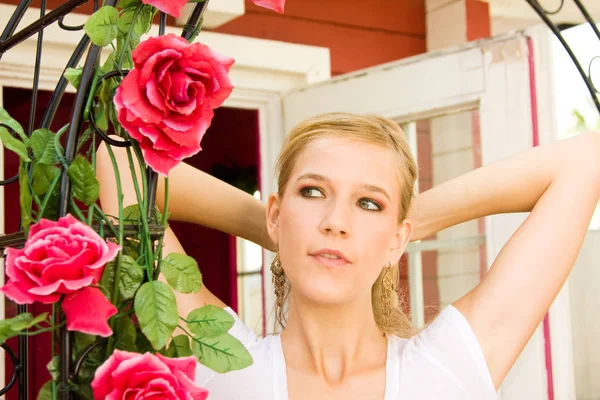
{"x":340,"y":221}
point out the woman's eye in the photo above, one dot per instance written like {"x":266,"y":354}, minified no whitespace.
{"x":370,"y":205}
{"x":311,"y":192}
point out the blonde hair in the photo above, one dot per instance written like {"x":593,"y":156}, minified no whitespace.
{"x":370,"y":129}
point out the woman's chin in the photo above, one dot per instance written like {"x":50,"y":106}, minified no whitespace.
{"x":326,"y":293}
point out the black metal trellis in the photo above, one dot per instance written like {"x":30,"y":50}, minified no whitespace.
{"x":545,"y":14}
{"x":10,"y":39}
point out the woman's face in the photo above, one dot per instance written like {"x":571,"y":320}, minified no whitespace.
{"x":337,"y":222}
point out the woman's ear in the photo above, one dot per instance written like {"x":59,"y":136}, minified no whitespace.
{"x":273,"y":208}
{"x":401,"y":240}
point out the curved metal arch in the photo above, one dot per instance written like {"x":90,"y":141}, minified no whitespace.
{"x":556,"y":30}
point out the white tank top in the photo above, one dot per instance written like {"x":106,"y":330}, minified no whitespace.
{"x":444,"y":361}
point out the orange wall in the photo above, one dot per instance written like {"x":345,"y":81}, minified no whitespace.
{"x":359,"y":33}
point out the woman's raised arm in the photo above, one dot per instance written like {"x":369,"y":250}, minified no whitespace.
{"x":560,"y":184}
{"x":194,"y":197}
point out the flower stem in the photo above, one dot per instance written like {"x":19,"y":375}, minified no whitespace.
{"x":50,"y":329}
{"x":77,"y":210}
{"x":127,"y":40}
{"x":119,"y":191}
{"x":165,"y":218}
{"x":107,"y":222}
{"x":53,"y":349}
{"x":124,"y":313}
{"x":92,"y":93}
{"x":48,"y":195}
{"x":145,"y":234}
{"x":185,"y":331}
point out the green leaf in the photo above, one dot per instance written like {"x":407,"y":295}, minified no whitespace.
{"x":107,"y":282}
{"x":156,"y":309}
{"x":101,"y":27}
{"x":13,"y":144}
{"x":42,"y":144}
{"x":43,"y":177}
{"x":209,"y":321}
{"x":222,"y":354}
{"x":143,"y":344}
{"x":93,"y":360}
{"x":128,"y":3}
{"x":73,"y":75}
{"x":12,"y":326}
{"x":101,"y":116}
{"x":182,"y":273}
{"x":24,"y":196}
{"x":51,"y":211}
{"x":45,"y":392}
{"x":142,"y":25}
{"x":131,"y":276}
{"x":131,"y":214}
{"x":83,"y":178}
{"x":6,"y":119}
{"x":52,"y":367}
{"x":125,"y":333}
{"x":179,"y":347}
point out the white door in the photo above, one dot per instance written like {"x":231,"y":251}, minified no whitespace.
{"x":461,"y":108}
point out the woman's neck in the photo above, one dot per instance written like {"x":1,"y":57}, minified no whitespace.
{"x":333,"y":341}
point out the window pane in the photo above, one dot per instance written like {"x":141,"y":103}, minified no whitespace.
{"x":443,"y":267}
{"x":250,"y":301}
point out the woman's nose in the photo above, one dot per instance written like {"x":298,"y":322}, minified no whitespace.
{"x":337,"y":220}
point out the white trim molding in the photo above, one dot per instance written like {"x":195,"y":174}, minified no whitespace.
{"x":217,"y":13}
{"x":265,"y":65}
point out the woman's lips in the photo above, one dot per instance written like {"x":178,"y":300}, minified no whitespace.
{"x":330,"y":257}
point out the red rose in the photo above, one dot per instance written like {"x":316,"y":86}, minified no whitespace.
{"x":146,"y":376}
{"x":275,"y":5}
{"x":63,"y":257}
{"x":166,"y":101}
{"x":171,"y":7}
{"x":59,"y":257}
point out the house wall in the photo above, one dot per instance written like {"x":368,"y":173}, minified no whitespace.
{"x":358,"y":33}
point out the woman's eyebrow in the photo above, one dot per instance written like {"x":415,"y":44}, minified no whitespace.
{"x":316,"y":177}
{"x":377,"y":189}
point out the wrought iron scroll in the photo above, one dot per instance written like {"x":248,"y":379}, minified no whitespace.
{"x":585,"y":75}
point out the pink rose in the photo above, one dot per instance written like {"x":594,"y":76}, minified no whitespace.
{"x":275,"y":5}
{"x":61,"y":258}
{"x":166,"y":101}
{"x":146,"y":376}
{"x":171,"y":7}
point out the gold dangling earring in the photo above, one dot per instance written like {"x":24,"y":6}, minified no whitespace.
{"x":386,"y":296}
{"x":278,"y":279}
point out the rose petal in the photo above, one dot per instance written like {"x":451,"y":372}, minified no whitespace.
{"x":187,"y":365}
{"x":159,"y":161}
{"x":102,"y":385}
{"x":88,"y":311}
{"x":159,"y":388}
{"x":158,"y":63}
{"x":275,"y":5}
{"x":171,"y":7}
{"x":153,"y":44}
{"x":16,"y":293}
{"x":41,"y":225}
{"x":145,"y":363}
{"x":133,"y":98}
